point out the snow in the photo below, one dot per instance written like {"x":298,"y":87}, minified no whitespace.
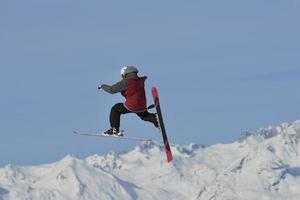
{"x":264,"y":165}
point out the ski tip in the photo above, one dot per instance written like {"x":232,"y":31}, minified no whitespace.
{"x":154,"y":91}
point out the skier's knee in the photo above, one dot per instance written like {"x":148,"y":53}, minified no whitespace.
{"x":144,"y":117}
{"x":117,"y":107}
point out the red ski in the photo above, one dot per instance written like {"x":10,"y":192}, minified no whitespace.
{"x":161,"y":124}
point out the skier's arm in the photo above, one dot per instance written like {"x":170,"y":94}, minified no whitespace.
{"x":118,"y":87}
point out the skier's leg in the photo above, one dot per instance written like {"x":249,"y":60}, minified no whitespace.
{"x":150,"y":117}
{"x":115,"y":115}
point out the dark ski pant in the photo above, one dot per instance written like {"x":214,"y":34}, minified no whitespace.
{"x":118,"y":109}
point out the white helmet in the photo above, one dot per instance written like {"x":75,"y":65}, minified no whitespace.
{"x":128,"y":69}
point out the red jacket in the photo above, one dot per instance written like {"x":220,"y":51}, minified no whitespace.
{"x":132,"y":88}
{"x":135,"y":95}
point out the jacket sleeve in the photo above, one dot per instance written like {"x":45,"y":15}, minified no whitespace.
{"x":112,"y":89}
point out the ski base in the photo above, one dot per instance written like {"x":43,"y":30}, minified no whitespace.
{"x":161,"y":124}
{"x":101,"y":134}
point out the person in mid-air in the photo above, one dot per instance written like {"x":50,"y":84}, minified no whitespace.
{"x":132,"y":87}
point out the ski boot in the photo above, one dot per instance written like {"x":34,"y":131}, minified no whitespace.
{"x":113,"y":132}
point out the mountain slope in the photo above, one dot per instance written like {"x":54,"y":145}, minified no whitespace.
{"x":262,"y":165}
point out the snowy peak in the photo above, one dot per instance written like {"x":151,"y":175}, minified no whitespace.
{"x":281,"y":141}
{"x":142,"y":154}
{"x":70,"y":178}
{"x":285,"y":129}
{"x":264,"y":165}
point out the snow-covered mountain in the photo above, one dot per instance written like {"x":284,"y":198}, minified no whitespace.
{"x":264,"y":165}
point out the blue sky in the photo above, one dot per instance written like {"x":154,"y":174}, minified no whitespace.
{"x":221,"y":67}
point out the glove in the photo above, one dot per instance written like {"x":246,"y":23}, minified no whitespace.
{"x":99,"y":87}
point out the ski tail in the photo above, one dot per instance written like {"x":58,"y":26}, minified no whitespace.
{"x":162,"y":125}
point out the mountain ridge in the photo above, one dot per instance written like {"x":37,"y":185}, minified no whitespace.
{"x":261,"y":165}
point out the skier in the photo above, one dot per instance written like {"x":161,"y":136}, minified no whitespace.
{"x":132,"y":87}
